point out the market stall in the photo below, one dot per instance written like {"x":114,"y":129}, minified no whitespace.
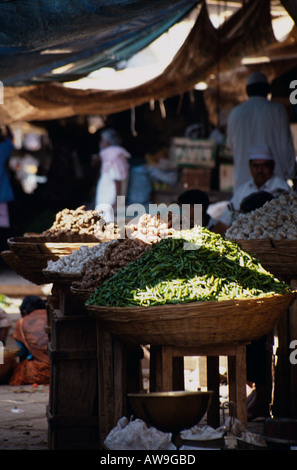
{"x":183,"y":291}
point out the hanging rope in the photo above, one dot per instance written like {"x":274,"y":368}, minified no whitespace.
{"x":162,"y":108}
{"x":133,"y":120}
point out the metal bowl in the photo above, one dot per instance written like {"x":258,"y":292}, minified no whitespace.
{"x":170,"y":411}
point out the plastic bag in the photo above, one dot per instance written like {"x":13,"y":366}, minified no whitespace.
{"x":137,"y":435}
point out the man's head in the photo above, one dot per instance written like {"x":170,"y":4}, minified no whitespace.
{"x":257,"y":85}
{"x":261,"y":164}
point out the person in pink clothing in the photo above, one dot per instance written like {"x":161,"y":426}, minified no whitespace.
{"x":114,"y":173}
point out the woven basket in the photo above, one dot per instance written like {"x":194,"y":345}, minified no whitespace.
{"x":32,"y":246}
{"x":277,"y":256}
{"x":34,"y":255}
{"x":30,"y":273}
{"x":194,"y":323}
{"x":61,"y":238}
{"x":83,"y":294}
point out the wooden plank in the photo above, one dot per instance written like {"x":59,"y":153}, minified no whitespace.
{"x":167,"y":368}
{"x":105,"y":383}
{"x":281,"y":401}
{"x":240,"y":366}
{"x":120,"y":380}
{"x":205,"y":350}
{"x":232,"y":384}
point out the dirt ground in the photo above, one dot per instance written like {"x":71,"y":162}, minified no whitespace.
{"x":23,"y":422}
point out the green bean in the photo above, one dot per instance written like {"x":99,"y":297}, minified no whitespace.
{"x":169,"y":273}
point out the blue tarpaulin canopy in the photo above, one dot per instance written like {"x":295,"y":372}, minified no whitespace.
{"x":45,"y":43}
{"x":37,"y":36}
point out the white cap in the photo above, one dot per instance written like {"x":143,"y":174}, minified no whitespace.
{"x":260,"y":152}
{"x":257,"y":77}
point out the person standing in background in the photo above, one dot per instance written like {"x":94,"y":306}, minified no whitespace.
{"x":114,"y":173}
{"x":259,"y":121}
{"x":6,"y":191}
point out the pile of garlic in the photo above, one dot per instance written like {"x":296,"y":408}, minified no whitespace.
{"x":149,"y":228}
{"x":276,"y":220}
{"x":74,"y":262}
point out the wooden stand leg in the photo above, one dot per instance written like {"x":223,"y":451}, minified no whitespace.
{"x":213,"y":383}
{"x":178,"y":373}
{"x":155,"y":368}
{"x":240,"y":369}
{"x":232,"y":384}
{"x":111,"y":382}
{"x":167,"y":369}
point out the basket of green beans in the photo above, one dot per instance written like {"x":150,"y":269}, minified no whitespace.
{"x":193,"y":288}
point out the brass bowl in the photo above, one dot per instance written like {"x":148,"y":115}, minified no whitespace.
{"x":170,"y":411}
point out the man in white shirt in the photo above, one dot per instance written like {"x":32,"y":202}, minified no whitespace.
{"x":261,"y":167}
{"x":258,"y":121}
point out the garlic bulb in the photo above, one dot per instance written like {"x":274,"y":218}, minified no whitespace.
{"x":276,"y":219}
{"x":75,"y":261}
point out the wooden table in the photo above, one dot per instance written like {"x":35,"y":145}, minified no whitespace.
{"x":112,"y":379}
{"x":172,"y":334}
{"x":162,"y":374}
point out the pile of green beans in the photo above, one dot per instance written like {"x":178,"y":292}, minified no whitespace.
{"x":192,"y":265}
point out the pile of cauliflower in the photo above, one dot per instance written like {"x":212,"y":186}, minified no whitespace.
{"x":276,"y":220}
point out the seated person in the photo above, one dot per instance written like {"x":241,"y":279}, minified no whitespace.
{"x":262,"y":178}
{"x":254,"y":201}
{"x":32,"y":339}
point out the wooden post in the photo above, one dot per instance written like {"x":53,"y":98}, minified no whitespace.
{"x":167,"y":369}
{"x":232,"y":384}
{"x":240,"y":367}
{"x":281,"y":402}
{"x":111,"y":382}
{"x":213,"y":383}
